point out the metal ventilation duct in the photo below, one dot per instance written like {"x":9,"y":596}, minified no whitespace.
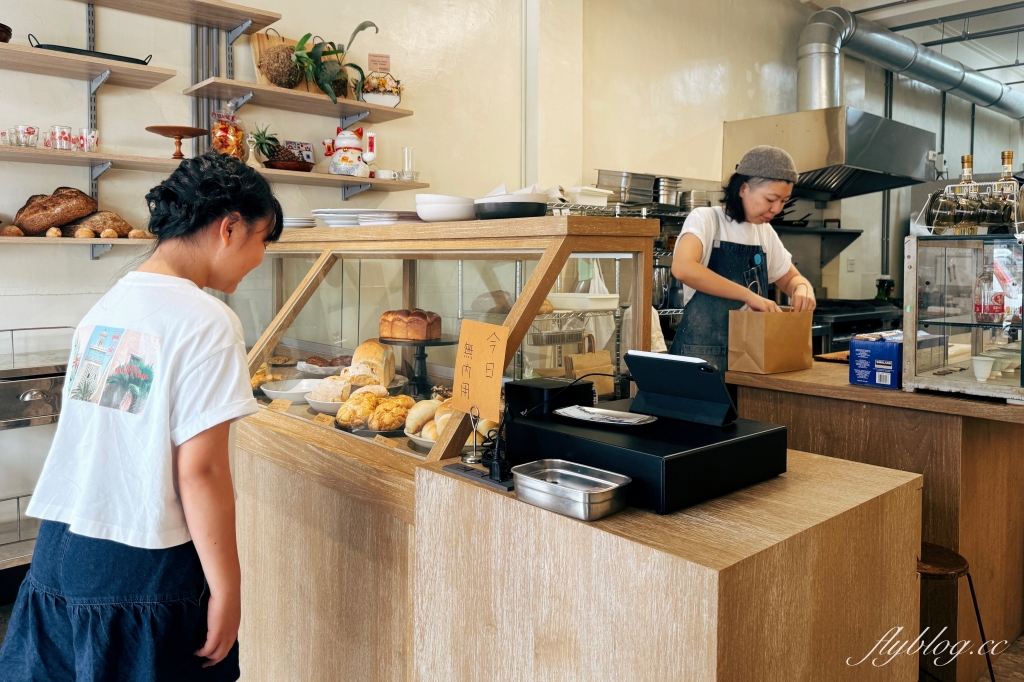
{"x":832,"y":29}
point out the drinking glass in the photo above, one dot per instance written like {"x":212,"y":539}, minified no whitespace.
{"x":27,"y":135}
{"x":60,"y":137}
{"x":408,"y":160}
{"x":88,"y":139}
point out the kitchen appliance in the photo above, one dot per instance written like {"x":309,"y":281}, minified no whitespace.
{"x":839,"y":151}
{"x":836,"y":321}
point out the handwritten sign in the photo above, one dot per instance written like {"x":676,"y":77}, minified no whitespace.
{"x":324,"y":420}
{"x":387,"y":442}
{"x":479,"y":365}
{"x":279,"y":405}
{"x":379,"y":62}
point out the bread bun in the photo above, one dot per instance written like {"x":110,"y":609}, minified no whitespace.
{"x":54,"y":233}
{"x":389,"y":415}
{"x":429,"y":432}
{"x":109,"y":234}
{"x":421,"y":413}
{"x":140,"y":234}
{"x":331,"y":390}
{"x":376,"y":389}
{"x":445,"y":408}
{"x":84,"y":233}
{"x":546,"y":308}
{"x":441,"y":420}
{"x":12,"y":231}
{"x":485,"y":425}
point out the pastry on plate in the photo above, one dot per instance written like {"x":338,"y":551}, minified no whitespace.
{"x":410,"y":325}
{"x":421,"y":413}
{"x":429,"y":431}
{"x":357,"y":410}
{"x":375,"y":389}
{"x":263,"y":376}
{"x":389,"y":415}
{"x":317,"y":361}
{"x":331,"y":390}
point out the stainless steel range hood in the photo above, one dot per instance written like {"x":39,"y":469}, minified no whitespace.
{"x":839,"y":151}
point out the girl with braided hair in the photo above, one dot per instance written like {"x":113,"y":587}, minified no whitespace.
{"x":135,"y":572}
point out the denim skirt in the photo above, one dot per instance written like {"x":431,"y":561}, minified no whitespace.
{"x":97,"y":611}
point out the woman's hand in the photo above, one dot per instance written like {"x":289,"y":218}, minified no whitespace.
{"x":223,"y":615}
{"x":761,"y":305}
{"x":803,"y":300}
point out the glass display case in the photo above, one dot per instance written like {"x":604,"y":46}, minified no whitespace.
{"x":967,"y":315}
{"x":321,"y":293}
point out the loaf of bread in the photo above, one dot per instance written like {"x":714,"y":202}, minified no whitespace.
{"x":380,"y":360}
{"x":101,"y":221}
{"x":41,"y":211}
{"x":410,"y":325}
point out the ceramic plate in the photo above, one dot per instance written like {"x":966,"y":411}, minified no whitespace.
{"x":294,"y":390}
{"x":427,"y":444}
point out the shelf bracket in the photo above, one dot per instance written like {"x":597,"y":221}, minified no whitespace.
{"x":99,"y":80}
{"x":99,"y":169}
{"x":98,"y":250}
{"x":346,"y":121}
{"x":350,"y":191}
{"x":233,"y":35}
{"x":240,"y":102}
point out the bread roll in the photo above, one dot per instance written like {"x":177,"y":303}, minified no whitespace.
{"x":389,"y":415}
{"x":54,"y":233}
{"x":492,"y":302}
{"x":546,"y":308}
{"x":376,"y":390}
{"x":140,"y":234}
{"x":441,"y":420}
{"x":331,"y":390}
{"x":380,"y":360}
{"x":485,"y":425}
{"x":429,"y":432}
{"x":421,"y":413}
{"x":41,"y":212}
{"x":108,"y":234}
{"x":84,"y":233}
{"x":444,"y":408}
{"x":12,"y":231}
{"x":100,"y":221}
{"x":357,"y":410}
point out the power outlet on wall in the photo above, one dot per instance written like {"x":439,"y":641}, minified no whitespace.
{"x":851,"y":265}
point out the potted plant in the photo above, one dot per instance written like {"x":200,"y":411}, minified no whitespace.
{"x":330,"y":75}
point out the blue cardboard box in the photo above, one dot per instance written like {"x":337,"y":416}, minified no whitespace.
{"x":877,"y":360}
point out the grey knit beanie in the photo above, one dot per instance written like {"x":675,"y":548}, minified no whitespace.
{"x":771,"y":163}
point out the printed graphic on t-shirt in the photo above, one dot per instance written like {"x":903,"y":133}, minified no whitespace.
{"x":113,"y":368}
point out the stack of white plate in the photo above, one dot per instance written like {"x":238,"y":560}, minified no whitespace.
{"x":295,"y":223}
{"x":435,"y":208}
{"x":355,"y":217}
{"x":388,"y":217}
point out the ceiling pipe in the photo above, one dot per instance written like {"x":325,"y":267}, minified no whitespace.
{"x":834,"y":29}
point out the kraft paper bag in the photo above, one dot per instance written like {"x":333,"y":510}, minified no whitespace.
{"x":578,"y":365}
{"x":769,"y":343}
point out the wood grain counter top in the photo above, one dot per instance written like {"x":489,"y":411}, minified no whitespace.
{"x":832,"y":380}
{"x":720,"y":532}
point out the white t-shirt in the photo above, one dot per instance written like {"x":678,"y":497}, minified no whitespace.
{"x":703,"y":222}
{"x":155,"y":362}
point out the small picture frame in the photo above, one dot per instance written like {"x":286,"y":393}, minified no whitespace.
{"x":304,"y":150}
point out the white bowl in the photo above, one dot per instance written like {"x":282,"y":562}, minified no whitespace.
{"x":428,"y":444}
{"x":535,"y":198}
{"x":439,"y":213}
{"x":294,"y":390}
{"x":441,"y":199}
{"x":320,"y":406}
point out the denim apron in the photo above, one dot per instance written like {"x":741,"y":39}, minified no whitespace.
{"x":704,"y":329}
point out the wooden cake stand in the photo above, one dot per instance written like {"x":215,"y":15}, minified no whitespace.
{"x":179,"y":133}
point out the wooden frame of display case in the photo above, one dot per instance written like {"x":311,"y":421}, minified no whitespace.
{"x":549,"y":240}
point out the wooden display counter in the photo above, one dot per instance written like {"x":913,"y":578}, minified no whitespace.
{"x":970,"y":453}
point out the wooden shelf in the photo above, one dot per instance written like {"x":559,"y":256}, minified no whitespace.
{"x":64,"y":65}
{"x":71,"y":241}
{"x":214,"y":13}
{"x":167,"y":165}
{"x":274,"y":97}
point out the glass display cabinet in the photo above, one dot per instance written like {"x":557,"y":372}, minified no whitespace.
{"x":967,"y":315}
{"x":320,"y":293}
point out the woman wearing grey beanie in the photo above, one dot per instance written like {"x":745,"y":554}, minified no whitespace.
{"x":727,"y":256}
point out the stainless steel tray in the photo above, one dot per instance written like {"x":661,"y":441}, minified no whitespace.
{"x":575,"y":490}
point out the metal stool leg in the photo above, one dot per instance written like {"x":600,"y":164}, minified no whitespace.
{"x":981,"y":628}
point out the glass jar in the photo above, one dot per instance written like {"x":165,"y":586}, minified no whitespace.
{"x":227,"y":135}
{"x":941,"y":213}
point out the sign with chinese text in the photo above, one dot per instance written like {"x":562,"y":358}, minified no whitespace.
{"x":479,"y":366}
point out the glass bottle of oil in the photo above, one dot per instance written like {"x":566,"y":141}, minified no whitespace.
{"x":968,"y":204}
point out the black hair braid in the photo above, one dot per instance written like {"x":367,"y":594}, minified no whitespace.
{"x":206,"y":188}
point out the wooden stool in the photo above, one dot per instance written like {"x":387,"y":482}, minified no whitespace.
{"x":941,"y":563}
